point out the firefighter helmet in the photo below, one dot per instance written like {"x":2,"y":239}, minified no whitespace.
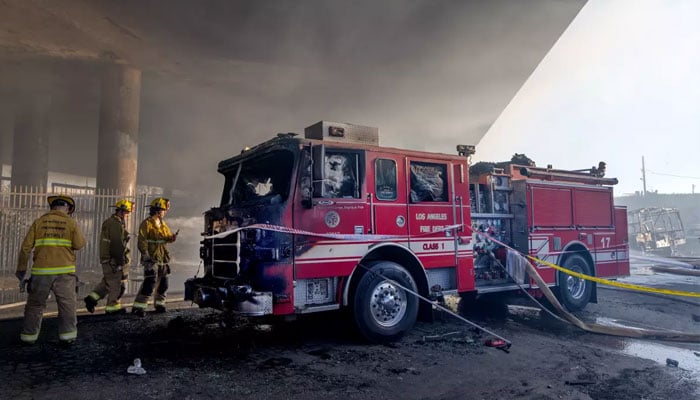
{"x":125,"y":205}
{"x":62,"y":200}
{"x":160,"y":203}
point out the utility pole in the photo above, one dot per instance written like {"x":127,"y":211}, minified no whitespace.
{"x":644,"y":179}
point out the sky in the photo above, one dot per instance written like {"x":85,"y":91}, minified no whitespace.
{"x":621,"y":83}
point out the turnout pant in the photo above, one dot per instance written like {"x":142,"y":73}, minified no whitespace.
{"x":112,"y":285}
{"x":63,"y":288}
{"x":154,"y":278}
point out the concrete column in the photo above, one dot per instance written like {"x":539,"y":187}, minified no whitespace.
{"x":30,"y":148}
{"x":117,"y":152}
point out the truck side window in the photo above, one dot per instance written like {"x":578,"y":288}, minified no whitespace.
{"x":428,"y":182}
{"x":341,"y":171}
{"x":385,"y":179}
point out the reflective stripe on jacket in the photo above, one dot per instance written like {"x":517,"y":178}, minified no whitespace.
{"x":154,"y":234}
{"x":54,"y":237}
{"x":113,"y":241}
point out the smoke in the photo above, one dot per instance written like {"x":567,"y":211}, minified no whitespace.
{"x":224,"y":75}
{"x":185,"y":250}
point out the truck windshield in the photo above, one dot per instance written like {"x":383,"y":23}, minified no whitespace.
{"x":262,"y":179}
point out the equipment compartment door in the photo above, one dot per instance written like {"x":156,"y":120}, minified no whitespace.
{"x":605,"y":254}
{"x":622,"y":248}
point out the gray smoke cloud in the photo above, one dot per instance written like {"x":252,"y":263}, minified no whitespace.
{"x":221,"y":75}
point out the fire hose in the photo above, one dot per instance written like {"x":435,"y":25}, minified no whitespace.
{"x":624,"y":331}
{"x":532,"y":272}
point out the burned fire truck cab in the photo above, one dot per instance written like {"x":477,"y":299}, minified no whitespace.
{"x":333,"y":220}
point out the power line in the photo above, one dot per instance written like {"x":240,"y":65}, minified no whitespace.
{"x":674,"y":176}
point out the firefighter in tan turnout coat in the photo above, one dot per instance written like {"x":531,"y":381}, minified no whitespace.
{"x":154,"y":235}
{"x":54,"y":237}
{"x":114,"y":257}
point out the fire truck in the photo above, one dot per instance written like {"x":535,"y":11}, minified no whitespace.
{"x":334,"y":221}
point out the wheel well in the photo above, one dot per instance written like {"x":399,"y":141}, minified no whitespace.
{"x":580,"y":249}
{"x":400,"y":255}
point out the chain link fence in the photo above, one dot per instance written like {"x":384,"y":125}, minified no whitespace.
{"x":20,"y":206}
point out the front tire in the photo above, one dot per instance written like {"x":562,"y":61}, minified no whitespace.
{"x":383,"y":311}
{"x":575,"y":293}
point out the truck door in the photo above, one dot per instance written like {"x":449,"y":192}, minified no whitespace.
{"x":430,"y":209}
{"x":339,"y":199}
{"x":337,"y":204}
{"x":389,"y":205}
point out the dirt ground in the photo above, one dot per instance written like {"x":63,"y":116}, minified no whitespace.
{"x":189,"y":355}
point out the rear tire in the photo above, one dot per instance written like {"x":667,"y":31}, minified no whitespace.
{"x":383,"y":311}
{"x":575,"y":293}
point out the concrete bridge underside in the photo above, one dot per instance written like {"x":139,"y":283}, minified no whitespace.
{"x":98,"y":87}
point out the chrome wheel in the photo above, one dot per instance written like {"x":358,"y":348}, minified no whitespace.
{"x":383,"y":310}
{"x":576,"y":286}
{"x":387,"y":304}
{"x":574,"y":293}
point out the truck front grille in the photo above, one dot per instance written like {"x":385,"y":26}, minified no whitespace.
{"x":225,"y":254}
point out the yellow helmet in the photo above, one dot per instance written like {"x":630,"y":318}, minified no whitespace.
{"x":62,"y":200}
{"x":124,"y":204}
{"x":160,"y":203}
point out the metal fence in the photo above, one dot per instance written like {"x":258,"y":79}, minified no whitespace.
{"x":20,"y":206}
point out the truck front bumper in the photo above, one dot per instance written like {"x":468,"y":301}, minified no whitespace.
{"x":240,"y":299}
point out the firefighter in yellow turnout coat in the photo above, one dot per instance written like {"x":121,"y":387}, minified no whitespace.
{"x":54,"y":237}
{"x":114,"y":257}
{"x":154,"y":235}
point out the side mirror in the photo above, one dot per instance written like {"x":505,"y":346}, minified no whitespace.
{"x":306,"y":179}
{"x":318,"y":154}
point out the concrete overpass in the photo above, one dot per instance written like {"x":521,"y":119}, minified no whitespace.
{"x":158,"y":91}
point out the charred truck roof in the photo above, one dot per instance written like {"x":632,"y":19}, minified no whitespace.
{"x":339,"y":133}
{"x":325,"y":131}
{"x":286,"y":141}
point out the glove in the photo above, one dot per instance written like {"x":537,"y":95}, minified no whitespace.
{"x":20,"y":275}
{"x":116,"y":265}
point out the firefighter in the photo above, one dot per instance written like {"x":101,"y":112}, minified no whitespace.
{"x":54,"y":237}
{"x":154,"y":235}
{"x":114,"y":257}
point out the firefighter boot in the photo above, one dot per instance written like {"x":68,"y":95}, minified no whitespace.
{"x":160,"y":308}
{"x":120,"y":311}
{"x":139,"y":312}
{"x":90,"y":304}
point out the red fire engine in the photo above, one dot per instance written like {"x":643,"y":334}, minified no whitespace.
{"x":303,"y":221}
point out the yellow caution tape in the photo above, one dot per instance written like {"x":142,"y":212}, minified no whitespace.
{"x":614,"y":283}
